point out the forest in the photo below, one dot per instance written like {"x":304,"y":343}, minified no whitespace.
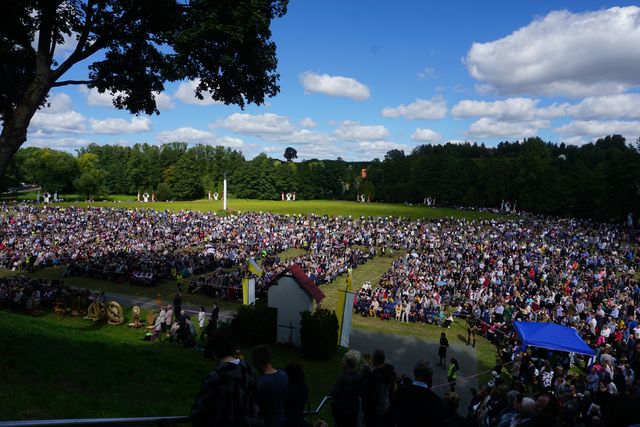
{"x":599,"y":180}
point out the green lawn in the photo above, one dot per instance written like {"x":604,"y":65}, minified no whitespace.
{"x":72,"y":368}
{"x":320,"y":207}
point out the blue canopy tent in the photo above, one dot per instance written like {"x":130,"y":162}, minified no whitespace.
{"x":552,"y":337}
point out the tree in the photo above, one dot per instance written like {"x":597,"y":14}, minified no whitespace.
{"x":137,"y":46}
{"x":290,"y":153}
{"x":50,"y":169}
{"x":91,"y":180}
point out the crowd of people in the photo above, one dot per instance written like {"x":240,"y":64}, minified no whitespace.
{"x":143,"y":246}
{"x":491,"y":272}
{"x":566,"y":271}
{"x":371,"y":393}
{"x":24,"y":294}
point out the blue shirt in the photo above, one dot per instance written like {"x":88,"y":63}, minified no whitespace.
{"x":272,"y":393}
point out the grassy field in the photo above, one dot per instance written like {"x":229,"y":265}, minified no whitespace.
{"x":72,"y":368}
{"x":320,"y":207}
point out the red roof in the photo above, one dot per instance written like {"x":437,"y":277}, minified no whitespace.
{"x":302,"y":280}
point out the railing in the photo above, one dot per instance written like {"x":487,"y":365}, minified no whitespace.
{"x":158,"y":421}
{"x":308,"y":413}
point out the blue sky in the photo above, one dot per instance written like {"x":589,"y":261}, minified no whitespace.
{"x":360,"y":78}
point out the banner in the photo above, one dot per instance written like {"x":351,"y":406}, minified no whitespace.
{"x":345,"y":330}
{"x":344,"y":308}
{"x":252,"y":291}
{"x":254,"y":267}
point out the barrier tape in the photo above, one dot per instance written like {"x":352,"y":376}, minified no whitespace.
{"x":462,"y":380}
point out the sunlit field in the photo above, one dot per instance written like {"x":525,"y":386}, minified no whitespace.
{"x":318,"y":207}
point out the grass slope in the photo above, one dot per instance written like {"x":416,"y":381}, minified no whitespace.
{"x":71,"y":368}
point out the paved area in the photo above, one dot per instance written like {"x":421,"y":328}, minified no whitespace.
{"x":148,"y":303}
{"x":403,"y":352}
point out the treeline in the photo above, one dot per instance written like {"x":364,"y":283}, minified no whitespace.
{"x":599,"y":180}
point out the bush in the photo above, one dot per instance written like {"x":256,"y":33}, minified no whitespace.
{"x":319,"y":333}
{"x":163,"y":192}
{"x":255,"y":324}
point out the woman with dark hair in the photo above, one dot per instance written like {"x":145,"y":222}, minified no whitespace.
{"x":442,"y":350}
{"x":297,"y":396}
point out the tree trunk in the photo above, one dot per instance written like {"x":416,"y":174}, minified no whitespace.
{"x":14,"y":131}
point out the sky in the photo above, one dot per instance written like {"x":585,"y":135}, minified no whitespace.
{"x":358,"y":79}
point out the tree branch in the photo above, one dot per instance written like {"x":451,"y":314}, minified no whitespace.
{"x":72,"y":82}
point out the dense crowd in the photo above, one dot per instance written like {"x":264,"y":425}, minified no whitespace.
{"x":566,"y":271}
{"x":144,"y":246}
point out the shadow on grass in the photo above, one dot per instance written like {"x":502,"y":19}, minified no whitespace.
{"x":68,"y":369}
{"x":462,"y":338}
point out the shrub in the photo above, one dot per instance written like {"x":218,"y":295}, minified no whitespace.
{"x":255,"y":324}
{"x":163,"y":192}
{"x":319,"y":333}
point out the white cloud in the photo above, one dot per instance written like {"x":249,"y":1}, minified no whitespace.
{"x":600,"y":128}
{"x":186,"y":134}
{"x":512,"y":109}
{"x":186,"y":93}
{"x":424,"y":109}
{"x":261,"y":124}
{"x":491,"y":128}
{"x":353,"y":131}
{"x":58,"y":103}
{"x":228,"y":141}
{"x":302,"y":136}
{"x":425,"y":135}
{"x":164,"y":101}
{"x":113,"y":126}
{"x":563,"y":53}
{"x":65,"y":122}
{"x":65,"y":144}
{"x":427,"y":73}
{"x":196,"y":136}
{"x":321,"y":151}
{"x":334,"y":85}
{"x":95,"y":98}
{"x":379,"y":148}
{"x":307,"y":122}
{"x":105,"y":99}
{"x":621,"y":105}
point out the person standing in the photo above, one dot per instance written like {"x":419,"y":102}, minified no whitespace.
{"x":442,"y":350}
{"x":452,"y":373}
{"x":215,"y":312}
{"x":177,"y":306}
{"x":228,"y":395}
{"x":201,"y":318}
{"x":345,"y":406}
{"x":297,"y":398}
{"x":377,"y":391}
{"x":162,"y":318}
{"x":273,"y":388}
{"x":415,"y":404}
{"x":168,"y":317}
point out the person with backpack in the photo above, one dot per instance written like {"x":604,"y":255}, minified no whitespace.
{"x":228,"y":395}
{"x":377,"y":390}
